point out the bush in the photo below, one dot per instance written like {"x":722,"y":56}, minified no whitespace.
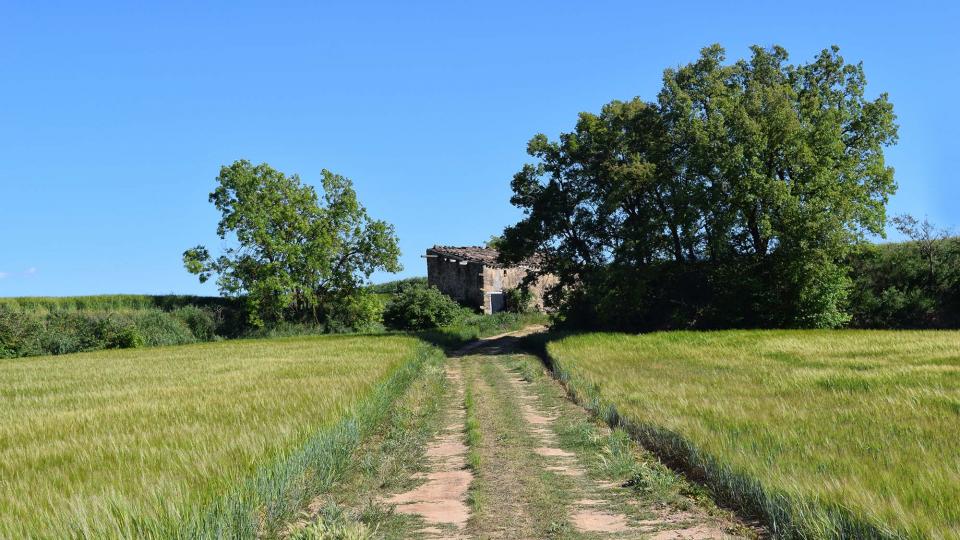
{"x":285,"y":329}
{"x":360,"y":312}
{"x":114,"y":331}
{"x":161,"y":328}
{"x":127,"y":337}
{"x":28,"y":330}
{"x":419,"y":307}
{"x":200,"y":321}
{"x":68,"y":332}
{"x":518,"y":300}
{"x":19,"y":335}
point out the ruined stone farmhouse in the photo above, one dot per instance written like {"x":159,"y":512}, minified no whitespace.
{"x":472,"y":276}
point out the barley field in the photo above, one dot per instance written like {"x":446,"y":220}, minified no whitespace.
{"x":827,"y":434}
{"x":208,"y":440}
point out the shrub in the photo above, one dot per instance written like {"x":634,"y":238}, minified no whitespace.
{"x":26,"y":330}
{"x":161,"y":328}
{"x":418,"y":307}
{"x":19,"y":335}
{"x":200,"y":321}
{"x":285,"y":329}
{"x":360,"y":312}
{"x":115,"y":331}
{"x":518,"y":300}
{"x":69,"y":332}
{"x":127,"y":337}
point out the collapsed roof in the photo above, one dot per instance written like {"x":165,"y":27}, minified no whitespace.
{"x":477,"y":254}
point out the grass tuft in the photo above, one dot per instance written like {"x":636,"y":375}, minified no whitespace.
{"x":472,"y":430}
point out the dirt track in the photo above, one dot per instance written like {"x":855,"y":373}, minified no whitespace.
{"x":543,"y":468}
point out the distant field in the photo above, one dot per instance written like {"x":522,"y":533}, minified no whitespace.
{"x":179,"y":441}
{"x":830,"y":433}
{"x":109,"y":302}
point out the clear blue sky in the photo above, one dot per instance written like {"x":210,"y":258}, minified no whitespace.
{"x":115,"y":117}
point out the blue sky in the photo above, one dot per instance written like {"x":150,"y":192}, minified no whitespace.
{"x":115,"y":117}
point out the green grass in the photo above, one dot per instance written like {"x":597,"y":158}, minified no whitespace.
{"x":387,"y":461}
{"x":476,"y":325}
{"x":826,"y":434}
{"x":210,"y":440}
{"x":472,"y":426}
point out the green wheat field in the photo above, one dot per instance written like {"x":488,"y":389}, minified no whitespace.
{"x":209,"y":440}
{"x":825,"y":433}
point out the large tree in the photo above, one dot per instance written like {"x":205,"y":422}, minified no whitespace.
{"x":731,"y":200}
{"x":293,"y":255}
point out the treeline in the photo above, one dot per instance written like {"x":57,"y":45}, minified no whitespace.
{"x":734,"y":199}
{"x":912,"y":284}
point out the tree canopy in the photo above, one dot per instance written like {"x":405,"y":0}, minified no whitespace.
{"x":731,"y":200}
{"x":294,"y":254}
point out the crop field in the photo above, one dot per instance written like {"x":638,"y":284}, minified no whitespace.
{"x":214,"y":439}
{"x":108,"y":302}
{"x":824,"y":433}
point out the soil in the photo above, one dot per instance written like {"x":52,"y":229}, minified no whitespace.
{"x":441,"y":498}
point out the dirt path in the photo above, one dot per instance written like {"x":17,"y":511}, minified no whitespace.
{"x":543,"y":468}
{"x":441,"y":499}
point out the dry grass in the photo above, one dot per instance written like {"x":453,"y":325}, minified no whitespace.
{"x":195,"y":438}
{"x":825,"y":433}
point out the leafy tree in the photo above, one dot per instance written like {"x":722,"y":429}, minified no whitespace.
{"x":732,"y":200}
{"x":913,"y":284}
{"x":494,"y":242}
{"x":294,"y":255}
{"x":929,"y":240}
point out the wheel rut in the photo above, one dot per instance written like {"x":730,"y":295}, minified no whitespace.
{"x":531,"y":480}
{"x":586,"y":514}
{"x":440,"y":500}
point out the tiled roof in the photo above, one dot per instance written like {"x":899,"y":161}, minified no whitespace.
{"x":483,"y":255}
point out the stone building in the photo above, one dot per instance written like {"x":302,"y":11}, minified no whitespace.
{"x":472,"y":276}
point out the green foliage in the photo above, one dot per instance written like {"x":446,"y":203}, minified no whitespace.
{"x":19,"y":335}
{"x":361,"y":311}
{"x":37,"y":331}
{"x":495,"y":242}
{"x":160,"y":328}
{"x":128,"y":337}
{"x":200,"y":321}
{"x":391,"y":287}
{"x":907,"y":285}
{"x":518,"y":300}
{"x":732,"y":200}
{"x":418,"y":307}
{"x":470,"y":326}
{"x":297,"y":255}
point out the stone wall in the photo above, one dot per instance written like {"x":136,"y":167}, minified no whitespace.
{"x":500,"y":280}
{"x":480,"y":286}
{"x":461,"y":280}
